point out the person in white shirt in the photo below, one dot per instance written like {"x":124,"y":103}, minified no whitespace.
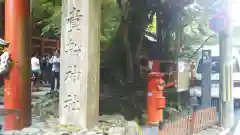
{"x":36,"y":71}
{"x":55,"y":61}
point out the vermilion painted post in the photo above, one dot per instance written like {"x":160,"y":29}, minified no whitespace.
{"x":155,"y":99}
{"x":17,"y":93}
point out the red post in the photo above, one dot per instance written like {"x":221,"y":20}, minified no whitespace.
{"x":156,"y":100}
{"x":17,"y":93}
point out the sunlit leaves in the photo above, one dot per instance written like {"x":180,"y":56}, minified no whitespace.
{"x":111,"y":16}
{"x":47,"y":14}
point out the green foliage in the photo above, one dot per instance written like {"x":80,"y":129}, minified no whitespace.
{"x":196,"y":29}
{"x":111,"y":17}
{"x":47,"y":14}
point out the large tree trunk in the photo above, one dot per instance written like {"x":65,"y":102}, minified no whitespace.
{"x":127,"y":43}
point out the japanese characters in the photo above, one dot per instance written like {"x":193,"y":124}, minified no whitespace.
{"x":74,"y":19}
{"x":72,"y":74}
{"x":73,"y":48}
{"x":71,"y":103}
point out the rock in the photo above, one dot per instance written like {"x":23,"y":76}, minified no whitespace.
{"x":112,"y":118}
{"x":113,"y":124}
{"x":117,"y":131}
{"x":52,"y":122}
{"x":14,"y":132}
{"x":65,"y":134}
{"x":31,"y":131}
{"x":93,"y":133}
{"x":132,"y":128}
{"x":108,"y":124}
{"x":40,"y":125}
{"x":49,"y":131}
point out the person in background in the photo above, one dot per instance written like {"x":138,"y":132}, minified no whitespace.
{"x":43,"y":69}
{"x":36,"y":71}
{"x":48,"y":69}
{"x":55,"y":75}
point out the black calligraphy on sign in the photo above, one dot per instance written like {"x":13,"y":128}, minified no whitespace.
{"x":74,"y":19}
{"x":71,"y":103}
{"x":72,"y":74}
{"x":73,"y":48}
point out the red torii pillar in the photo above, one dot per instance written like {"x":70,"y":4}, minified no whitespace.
{"x":17,"y":93}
